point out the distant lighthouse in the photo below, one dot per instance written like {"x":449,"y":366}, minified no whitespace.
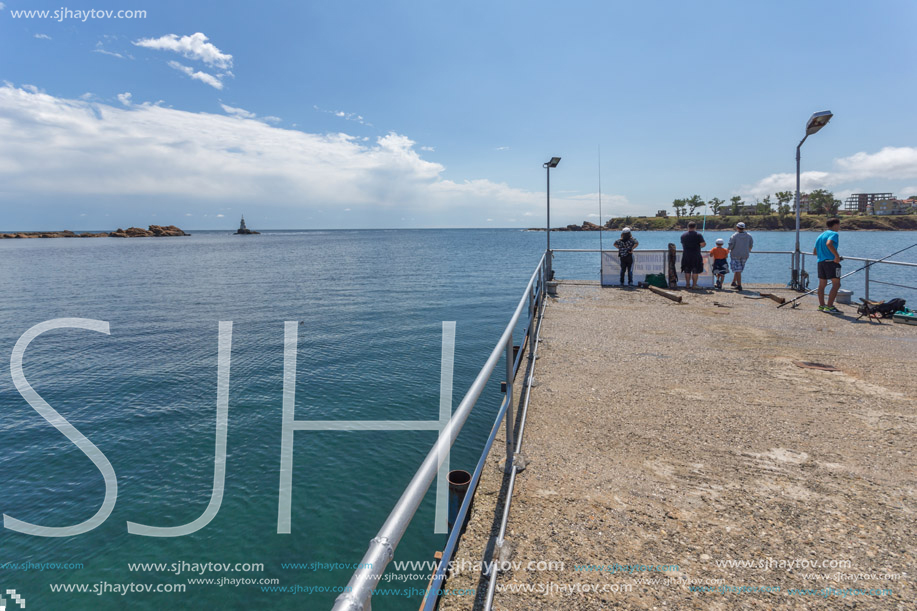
{"x":243,"y":230}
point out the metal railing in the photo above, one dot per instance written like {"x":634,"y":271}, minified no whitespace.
{"x":358,"y":593}
{"x":659,"y":250}
{"x":867,"y":280}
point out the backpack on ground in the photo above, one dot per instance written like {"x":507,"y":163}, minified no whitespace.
{"x":880,"y":309}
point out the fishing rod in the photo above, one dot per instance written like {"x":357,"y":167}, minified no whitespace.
{"x":601,"y":227}
{"x":793,"y":301}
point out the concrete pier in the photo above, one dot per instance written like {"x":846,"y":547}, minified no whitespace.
{"x":676,"y":447}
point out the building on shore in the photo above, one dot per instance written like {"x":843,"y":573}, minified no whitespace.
{"x":859,"y":202}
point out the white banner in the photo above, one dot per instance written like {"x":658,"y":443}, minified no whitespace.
{"x":649,"y":262}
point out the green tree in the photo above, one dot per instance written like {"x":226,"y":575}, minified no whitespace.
{"x":823,"y":202}
{"x":764,"y":206}
{"x":735,"y":202}
{"x":679,"y":205}
{"x":694,"y":202}
{"x":715,"y":205}
{"x":783,"y":200}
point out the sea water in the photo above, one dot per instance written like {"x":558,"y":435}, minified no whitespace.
{"x":368,"y":307}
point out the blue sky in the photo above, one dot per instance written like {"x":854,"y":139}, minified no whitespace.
{"x":436,"y":114}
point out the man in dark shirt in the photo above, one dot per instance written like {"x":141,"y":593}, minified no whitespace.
{"x":692,"y":262}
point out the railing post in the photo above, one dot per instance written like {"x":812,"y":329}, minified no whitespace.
{"x":866,"y":281}
{"x":509,"y":403}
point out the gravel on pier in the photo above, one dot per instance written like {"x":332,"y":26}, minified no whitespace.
{"x":664,"y":435}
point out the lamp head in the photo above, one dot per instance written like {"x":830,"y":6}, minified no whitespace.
{"x":818,"y":121}
{"x":553,"y":163}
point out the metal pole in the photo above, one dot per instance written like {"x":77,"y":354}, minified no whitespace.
{"x":509,"y":402}
{"x":867,"y":283}
{"x":549,"y":223}
{"x":797,"y":256}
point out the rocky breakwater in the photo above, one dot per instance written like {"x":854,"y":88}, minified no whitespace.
{"x":155,"y":231}
{"x":51,"y":234}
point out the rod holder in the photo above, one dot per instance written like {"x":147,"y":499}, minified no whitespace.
{"x":458,"y":486}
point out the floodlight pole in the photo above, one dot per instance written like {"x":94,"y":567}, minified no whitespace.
{"x":549,"y":255}
{"x":548,"y":230}
{"x":797,"y":253}
{"x":817,"y":121}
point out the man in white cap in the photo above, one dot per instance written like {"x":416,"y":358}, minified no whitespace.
{"x":626,"y":246}
{"x":739,"y":249}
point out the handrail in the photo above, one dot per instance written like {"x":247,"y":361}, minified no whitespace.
{"x":868,"y":260}
{"x":757,"y":252}
{"x":382,"y":547}
{"x":440,"y":574}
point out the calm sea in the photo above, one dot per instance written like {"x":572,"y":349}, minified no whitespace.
{"x":371,"y":304}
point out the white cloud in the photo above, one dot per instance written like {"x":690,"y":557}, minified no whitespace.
{"x":890,"y":163}
{"x":220,"y":216}
{"x":238,"y":112}
{"x":204,"y":77}
{"x":112,"y":53}
{"x":349,"y":116}
{"x":247,"y":114}
{"x":429,"y":149}
{"x":502,"y":148}
{"x":147,"y":152}
{"x":192,"y":47}
{"x":99,"y":49}
{"x":2,"y":6}
{"x":125,"y":98}
{"x":42,"y":36}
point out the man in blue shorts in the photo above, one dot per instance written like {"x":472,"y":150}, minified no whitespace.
{"x":829,"y":266}
{"x":740,"y":244}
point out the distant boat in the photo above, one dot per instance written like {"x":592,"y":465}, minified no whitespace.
{"x":243,"y":230}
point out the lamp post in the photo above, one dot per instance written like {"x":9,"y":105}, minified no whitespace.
{"x":550,"y":164}
{"x":815,"y":123}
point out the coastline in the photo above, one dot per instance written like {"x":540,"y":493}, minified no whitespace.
{"x":906,"y":222}
{"x":154,"y":231}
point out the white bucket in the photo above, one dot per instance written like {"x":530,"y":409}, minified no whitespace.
{"x":843,"y":296}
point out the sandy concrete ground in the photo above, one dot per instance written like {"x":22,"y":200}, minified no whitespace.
{"x":665,"y":434}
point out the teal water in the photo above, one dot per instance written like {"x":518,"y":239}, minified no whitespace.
{"x":371,"y":305}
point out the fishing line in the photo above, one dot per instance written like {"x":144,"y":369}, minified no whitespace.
{"x":793,"y":301}
{"x":601,"y":227}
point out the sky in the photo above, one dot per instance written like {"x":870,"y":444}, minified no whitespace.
{"x":429,"y":113}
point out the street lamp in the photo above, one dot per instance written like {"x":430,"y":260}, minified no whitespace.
{"x":815,"y":123}
{"x":551,"y":164}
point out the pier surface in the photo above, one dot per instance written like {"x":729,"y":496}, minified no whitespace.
{"x":677,"y":445}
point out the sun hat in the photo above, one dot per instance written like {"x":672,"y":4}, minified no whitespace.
{"x":626,"y":230}
{"x":719,"y":240}
{"x":740,"y":225}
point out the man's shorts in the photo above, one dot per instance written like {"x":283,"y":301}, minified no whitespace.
{"x":737,"y":265}
{"x":828,"y":270}
{"x":692,"y":263}
{"x":720,"y":266}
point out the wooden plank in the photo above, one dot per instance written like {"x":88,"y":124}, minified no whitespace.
{"x":665,"y":294}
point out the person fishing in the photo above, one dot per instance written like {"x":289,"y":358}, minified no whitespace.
{"x":692,"y":262}
{"x":829,"y":266}
{"x":626,"y":245}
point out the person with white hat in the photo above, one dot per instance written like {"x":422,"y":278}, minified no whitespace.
{"x":739,"y":250}
{"x":626,"y":246}
{"x":720,"y":265}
